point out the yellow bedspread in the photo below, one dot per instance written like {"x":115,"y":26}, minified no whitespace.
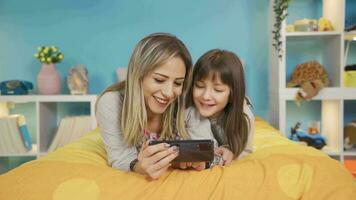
{"x":278,"y":169}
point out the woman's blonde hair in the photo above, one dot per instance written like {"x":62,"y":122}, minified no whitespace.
{"x":150,"y":53}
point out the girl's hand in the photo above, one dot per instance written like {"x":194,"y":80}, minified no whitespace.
{"x":154,"y":160}
{"x":226,"y":154}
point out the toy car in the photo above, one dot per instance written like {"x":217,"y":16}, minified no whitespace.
{"x":315,"y":140}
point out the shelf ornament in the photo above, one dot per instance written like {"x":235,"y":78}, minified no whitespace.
{"x":77,"y":80}
{"x":279,"y":9}
{"x":48,"y":79}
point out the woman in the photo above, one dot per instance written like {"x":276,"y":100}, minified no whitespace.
{"x":149,"y":105}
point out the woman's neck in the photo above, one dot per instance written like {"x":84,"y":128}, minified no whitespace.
{"x":154,"y":123}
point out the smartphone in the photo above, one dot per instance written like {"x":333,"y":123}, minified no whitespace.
{"x":191,"y":150}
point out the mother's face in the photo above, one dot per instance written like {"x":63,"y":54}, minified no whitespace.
{"x":163,"y":85}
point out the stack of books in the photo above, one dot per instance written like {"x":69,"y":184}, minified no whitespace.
{"x":14,"y":135}
{"x":70,"y":129}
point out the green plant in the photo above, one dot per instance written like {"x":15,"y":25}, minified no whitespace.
{"x":49,"y":54}
{"x":279,"y":9}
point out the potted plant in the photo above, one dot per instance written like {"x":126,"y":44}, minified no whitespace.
{"x":48,"y":79}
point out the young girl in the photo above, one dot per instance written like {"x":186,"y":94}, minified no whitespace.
{"x":218,"y":94}
{"x":149,"y":105}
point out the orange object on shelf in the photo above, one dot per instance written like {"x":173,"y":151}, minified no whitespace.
{"x":351,"y":166}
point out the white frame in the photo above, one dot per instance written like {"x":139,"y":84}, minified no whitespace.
{"x":333,"y":97}
{"x":46,"y":118}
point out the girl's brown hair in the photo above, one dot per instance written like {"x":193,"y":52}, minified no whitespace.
{"x":228,"y":67}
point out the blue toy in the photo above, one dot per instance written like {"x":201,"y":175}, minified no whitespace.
{"x":315,"y":140}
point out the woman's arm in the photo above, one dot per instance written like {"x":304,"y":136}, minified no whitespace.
{"x":151,"y":160}
{"x":108,"y":115}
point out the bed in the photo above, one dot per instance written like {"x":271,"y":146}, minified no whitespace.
{"x":278,"y":169}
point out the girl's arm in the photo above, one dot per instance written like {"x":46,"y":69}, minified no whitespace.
{"x":199,"y":128}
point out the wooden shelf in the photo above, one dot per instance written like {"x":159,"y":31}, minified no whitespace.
{"x":332,"y":93}
{"x":43,"y":113}
{"x":350,"y":36}
{"x":313,"y":34}
{"x":328,"y":48}
{"x":47,"y":98}
{"x":33,"y":152}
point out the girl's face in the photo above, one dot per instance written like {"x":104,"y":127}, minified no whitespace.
{"x":210,"y":96}
{"x":163,"y":85}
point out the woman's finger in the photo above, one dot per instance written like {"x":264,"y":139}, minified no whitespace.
{"x":165,"y":161}
{"x":153,"y":149}
{"x":160,"y":155}
{"x":158,"y":173}
{"x":145,"y":144}
{"x":198,"y":165}
{"x":183,"y":165}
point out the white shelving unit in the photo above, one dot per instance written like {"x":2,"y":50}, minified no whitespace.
{"x":43,"y":114}
{"x":331,"y":55}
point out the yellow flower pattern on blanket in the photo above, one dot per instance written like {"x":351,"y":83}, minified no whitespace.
{"x":72,"y":189}
{"x":278,"y":169}
{"x":295,"y":179}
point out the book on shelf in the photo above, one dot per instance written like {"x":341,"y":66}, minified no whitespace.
{"x":14,"y":135}
{"x":70,"y":129}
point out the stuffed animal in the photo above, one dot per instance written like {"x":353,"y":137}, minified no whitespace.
{"x":350,"y":135}
{"x":311,"y":77}
{"x":325,"y":25}
{"x":78,"y":80}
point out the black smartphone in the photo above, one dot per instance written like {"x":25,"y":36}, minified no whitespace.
{"x":191,"y":150}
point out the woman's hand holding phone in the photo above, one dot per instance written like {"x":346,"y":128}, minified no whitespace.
{"x":154,"y":160}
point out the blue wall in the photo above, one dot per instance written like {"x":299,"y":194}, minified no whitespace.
{"x":102,"y":34}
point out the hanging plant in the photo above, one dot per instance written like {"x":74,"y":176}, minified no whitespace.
{"x":279,"y":9}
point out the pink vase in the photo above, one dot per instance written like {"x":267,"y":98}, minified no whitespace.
{"x":48,"y":79}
